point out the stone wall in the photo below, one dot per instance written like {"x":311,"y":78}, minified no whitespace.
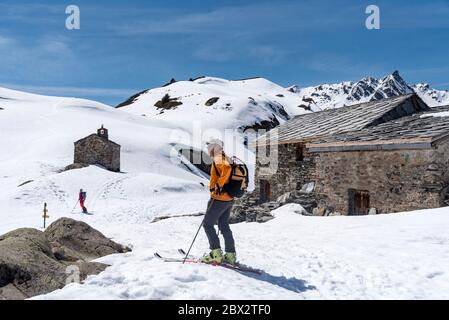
{"x":397,"y":180}
{"x":285,"y":186}
{"x":97,"y":150}
{"x":291,"y":173}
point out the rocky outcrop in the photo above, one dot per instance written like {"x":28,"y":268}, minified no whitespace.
{"x":80,"y":241}
{"x":247,"y":209}
{"x":212,"y":101}
{"x":167,"y":103}
{"x":75,"y":166}
{"x":131,"y":99}
{"x":329,"y":96}
{"x":33,"y":262}
{"x":198,"y":158}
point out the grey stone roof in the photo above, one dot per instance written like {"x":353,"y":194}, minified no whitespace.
{"x":312,"y":126}
{"x":416,"y":131}
{"x":440,"y":108}
{"x":96,"y":136}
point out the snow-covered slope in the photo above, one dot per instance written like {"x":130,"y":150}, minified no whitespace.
{"x":397,"y":256}
{"x":384,"y":256}
{"x":337,"y":95}
{"x":431,"y":96}
{"x":37,"y":135}
{"x":218,"y":103}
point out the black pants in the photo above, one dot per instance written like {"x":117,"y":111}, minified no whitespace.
{"x":219,"y":212}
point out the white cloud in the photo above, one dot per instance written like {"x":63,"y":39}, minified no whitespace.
{"x":257,"y":18}
{"x":72,"y":91}
{"x":56,"y":47}
{"x":42,"y":58}
{"x":5,"y":41}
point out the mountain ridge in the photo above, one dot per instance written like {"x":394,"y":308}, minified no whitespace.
{"x":337,"y":95}
{"x":258,"y":103}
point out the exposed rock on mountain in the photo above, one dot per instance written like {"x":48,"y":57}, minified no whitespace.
{"x":219,"y":103}
{"x":337,"y":95}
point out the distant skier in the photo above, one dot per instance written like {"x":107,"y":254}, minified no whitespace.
{"x":219,"y":207}
{"x":82,"y":198}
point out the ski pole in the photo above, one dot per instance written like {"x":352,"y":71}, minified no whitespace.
{"x":74,"y":206}
{"x":196,"y":235}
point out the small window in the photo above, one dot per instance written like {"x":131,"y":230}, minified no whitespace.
{"x":300,"y":153}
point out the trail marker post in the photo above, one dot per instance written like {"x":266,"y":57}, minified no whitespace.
{"x":45,"y":214}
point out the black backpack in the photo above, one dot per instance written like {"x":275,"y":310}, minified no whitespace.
{"x":238,"y":180}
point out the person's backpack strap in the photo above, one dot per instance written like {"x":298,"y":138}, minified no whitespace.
{"x":216,"y":169}
{"x":218,"y":173}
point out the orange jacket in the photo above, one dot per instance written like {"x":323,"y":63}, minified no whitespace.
{"x":218,"y":181}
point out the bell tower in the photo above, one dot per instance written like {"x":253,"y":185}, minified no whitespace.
{"x":103,"y":132}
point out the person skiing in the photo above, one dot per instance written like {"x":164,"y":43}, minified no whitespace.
{"x":219,"y":207}
{"x":82,"y":198}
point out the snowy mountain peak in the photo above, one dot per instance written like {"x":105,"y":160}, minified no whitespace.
{"x":390,"y":86}
{"x":218,"y":103}
{"x":367,"y":89}
{"x":432,"y":96}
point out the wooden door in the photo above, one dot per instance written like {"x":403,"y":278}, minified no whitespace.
{"x":358,"y":202}
{"x":265,"y":191}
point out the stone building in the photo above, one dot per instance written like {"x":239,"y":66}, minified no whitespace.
{"x":378,"y":157}
{"x":97,"y":149}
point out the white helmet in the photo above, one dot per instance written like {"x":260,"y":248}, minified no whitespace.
{"x":214,"y":142}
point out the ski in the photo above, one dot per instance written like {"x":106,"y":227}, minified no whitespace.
{"x":237,"y":266}
{"x":192,"y":259}
{"x":183,"y":253}
{"x":168,"y":259}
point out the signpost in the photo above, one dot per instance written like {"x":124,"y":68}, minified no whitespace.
{"x":45,"y":216}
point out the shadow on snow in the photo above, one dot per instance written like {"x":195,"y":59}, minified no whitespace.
{"x":291,"y":284}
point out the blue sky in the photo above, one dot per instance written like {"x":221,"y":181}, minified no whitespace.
{"x":126,"y":46}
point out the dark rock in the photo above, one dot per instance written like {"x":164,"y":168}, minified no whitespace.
{"x":24,"y":183}
{"x":263,"y":218}
{"x":262,"y":125}
{"x":198,"y":158}
{"x":172,"y":80}
{"x":212,"y":101}
{"x":305,"y":107}
{"x":78,"y":239}
{"x":33,"y":262}
{"x":247,"y":209}
{"x":75,"y":166}
{"x":131,"y":99}
{"x":309,"y":100}
{"x":167,"y":103}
